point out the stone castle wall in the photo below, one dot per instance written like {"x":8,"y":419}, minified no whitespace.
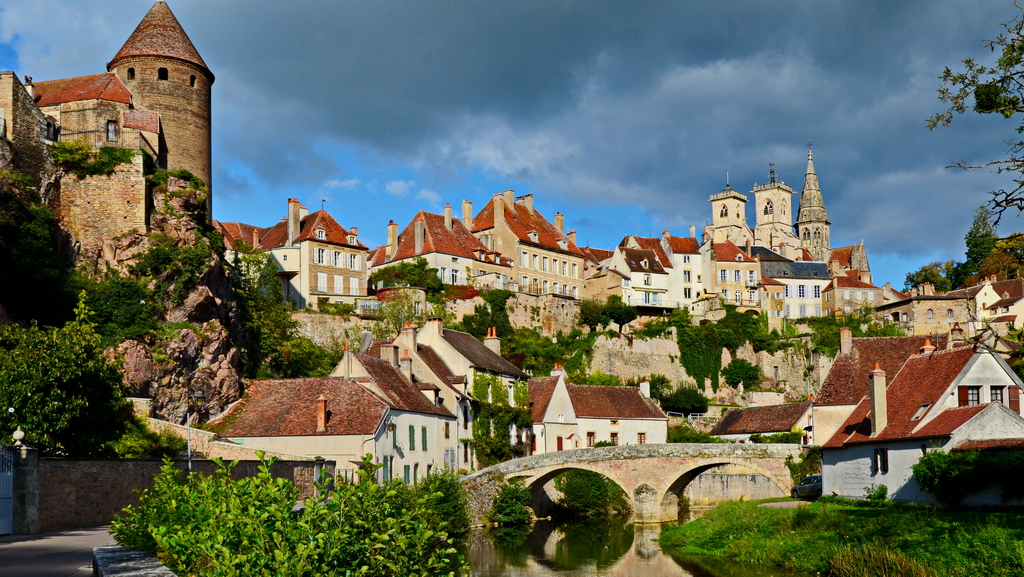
{"x":327,"y":330}
{"x":25,"y":127}
{"x":99,"y":208}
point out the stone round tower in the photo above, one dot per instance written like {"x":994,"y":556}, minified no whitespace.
{"x":166,"y":75}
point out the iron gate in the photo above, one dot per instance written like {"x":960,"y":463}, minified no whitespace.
{"x":6,"y":492}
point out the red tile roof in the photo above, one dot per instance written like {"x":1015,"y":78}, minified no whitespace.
{"x":458,"y":241}
{"x":612,"y":403}
{"x":768,"y":419}
{"x":106,"y":86}
{"x":989,"y":444}
{"x":684,"y":245}
{"x":277,"y":235}
{"x":398,"y":391}
{"x":288,"y":407}
{"x":769,"y":281}
{"x":238,"y":231}
{"x":142,"y":120}
{"x":521,"y":221}
{"x":843,"y":281}
{"x":849,"y":380}
{"x":923,"y":379}
{"x":652,"y":244}
{"x":1004,"y":319}
{"x":160,"y":34}
{"x":597,"y":254}
{"x":541,"y":389}
{"x":843,"y":254}
{"x":728,"y":251}
{"x":805,"y":255}
{"x":636,"y":257}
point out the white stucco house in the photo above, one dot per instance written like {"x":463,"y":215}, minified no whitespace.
{"x":938,"y":400}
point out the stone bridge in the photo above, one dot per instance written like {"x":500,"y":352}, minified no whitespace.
{"x":654,"y":476}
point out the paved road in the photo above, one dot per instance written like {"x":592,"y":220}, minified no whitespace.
{"x":61,"y":554}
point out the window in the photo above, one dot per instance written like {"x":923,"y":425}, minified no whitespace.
{"x":860,"y":295}
{"x":686,"y":259}
{"x":739,"y":296}
{"x":735,"y":276}
{"x":724,"y":212}
{"x":817,"y":310}
{"x":590,"y":438}
{"x":574,"y":270}
{"x":788,"y":290}
{"x":967,"y":396}
{"x":801,"y":292}
{"x":615,"y":438}
{"x":321,"y":234}
{"x":997,"y":394}
{"x":807,"y":234}
{"x":526,"y":283}
{"x":750,"y":278}
{"x":525,"y":260}
{"x":131,"y":74}
{"x":394,"y":437}
{"x":320,"y":256}
{"x":554,"y":265}
{"x":686,"y":276}
{"x":423,"y":430}
{"x":534,"y":262}
{"x":880,"y":462}
{"x":722,"y":276}
{"x":803,"y":311}
{"x":455,"y":276}
{"x":687,"y":293}
{"x":387,"y":470}
{"x":846,"y":294}
{"x":817,"y":292}
{"x":647,"y":298}
{"x":565,"y":268}
{"x":573,"y":290}
{"x":768,"y":208}
{"x":112,"y":130}
{"x":545,"y":287}
{"x":161,"y":74}
{"x":353,"y":262}
{"x":544,"y":264}
{"x":931,"y":313}
{"x":321,"y":282}
{"x":192,"y":81}
{"x":339,"y":284}
{"x":353,"y":286}
{"x":906,"y":317}
{"x":412,"y":438}
{"x":787,"y":312}
{"x":752,"y":296}
{"x":647,"y":280}
{"x":641,"y":438}
{"x":441,"y":272}
{"x":920,"y":412}
{"x":406,"y":475}
{"x":554,"y":287}
{"x":949,"y":313}
{"x":447,"y":430}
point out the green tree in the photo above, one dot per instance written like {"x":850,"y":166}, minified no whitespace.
{"x":940,"y":274}
{"x":397,"y":308}
{"x":599,"y":379}
{"x":741,"y":372}
{"x":409,"y":273}
{"x":493,"y":313}
{"x":124,"y":309}
{"x":619,"y":312}
{"x":996,"y":89}
{"x":685,"y":400}
{"x":58,"y":387}
{"x":592,"y":313}
{"x":587,"y":493}
{"x":510,"y":504}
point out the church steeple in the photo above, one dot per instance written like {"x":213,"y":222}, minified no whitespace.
{"x":812,"y":224}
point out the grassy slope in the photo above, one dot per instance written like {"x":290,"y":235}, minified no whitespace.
{"x":810,"y":538}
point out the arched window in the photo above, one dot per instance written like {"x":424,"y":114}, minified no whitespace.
{"x":51,"y":129}
{"x":949,"y":313}
{"x":931,"y":313}
{"x":192,"y":81}
{"x":768,"y":207}
{"x":807,"y":234}
{"x":725,"y":211}
{"x":817,"y":234}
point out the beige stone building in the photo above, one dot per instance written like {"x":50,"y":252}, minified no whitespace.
{"x":645,"y":282}
{"x":845,"y":295}
{"x":600,"y":281}
{"x":320,"y":261}
{"x":926,"y":312}
{"x":545,"y":260}
{"x":997,"y":302}
{"x":734,"y":275}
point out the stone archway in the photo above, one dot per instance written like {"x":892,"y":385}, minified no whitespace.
{"x":670,"y":500}
{"x":541,"y":500}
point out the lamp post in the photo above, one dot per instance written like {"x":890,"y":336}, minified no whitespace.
{"x":200,"y":397}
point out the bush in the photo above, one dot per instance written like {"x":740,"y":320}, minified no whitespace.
{"x":510,"y":504}
{"x":450,"y":501}
{"x":793,"y":437}
{"x":741,"y":372}
{"x":599,"y":379}
{"x":213,"y":525}
{"x":141,"y":442}
{"x":685,"y":400}
{"x":600,"y":444}
{"x":586,"y":493}
{"x":124,"y":309}
{"x":809,"y":464}
{"x":949,"y":477}
{"x":686,"y":434}
{"x":78,"y":158}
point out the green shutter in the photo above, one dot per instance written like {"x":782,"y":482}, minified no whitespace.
{"x":407,"y":474}
{"x":424,"y":438}
{"x":412,"y":438}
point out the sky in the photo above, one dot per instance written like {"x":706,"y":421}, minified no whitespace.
{"x":625,"y":116}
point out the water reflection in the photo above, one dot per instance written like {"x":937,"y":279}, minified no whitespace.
{"x":587,"y":548}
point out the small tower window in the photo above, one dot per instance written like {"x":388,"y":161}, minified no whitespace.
{"x":724,"y":212}
{"x":817,"y":234}
{"x":807,"y":234}
{"x":131,"y":74}
{"x":768,"y":207}
{"x":51,"y":130}
{"x":192,"y":81}
{"x":161,"y":74}
{"x":112,"y":130}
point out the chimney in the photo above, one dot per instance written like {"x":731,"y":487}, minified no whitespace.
{"x":560,"y":222}
{"x":928,"y":348}
{"x":645,"y":389}
{"x":693,"y":231}
{"x":527,"y":201}
{"x":572,"y":236}
{"x":748,"y":247}
{"x":255,"y":238}
{"x":389,"y":353}
{"x":321,"y":414}
{"x":833,"y":267}
{"x":406,"y":364}
{"x":365,"y":341}
{"x":510,"y":197}
{"x":492,"y":341}
{"x":418,"y":228}
{"x":467,"y":215}
{"x":995,"y":278}
{"x":434,"y":325}
{"x":845,"y":341}
{"x":557,"y":370}
{"x":293,"y":220}
{"x":408,"y":329}
{"x":392,"y":240}
{"x":354,"y":231}
{"x":879,"y":411}
{"x":956,"y":334}
{"x":347,"y":360}
{"x":448,"y":216}
{"x":927,"y":289}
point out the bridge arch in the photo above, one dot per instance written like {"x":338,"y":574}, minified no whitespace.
{"x":669,"y":502}
{"x":540,"y":500}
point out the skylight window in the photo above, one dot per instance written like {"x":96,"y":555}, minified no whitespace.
{"x":920,"y":412}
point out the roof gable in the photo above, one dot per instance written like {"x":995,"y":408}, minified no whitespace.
{"x":541,"y":390}
{"x":849,"y":380}
{"x":612,"y":403}
{"x":458,"y":241}
{"x":649,"y":244}
{"x":683,"y":245}
{"x":728,"y":251}
{"x":523,"y":220}
{"x":106,"y":86}
{"x":395,"y":389}
{"x":766,"y":419}
{"x":277,"y":235}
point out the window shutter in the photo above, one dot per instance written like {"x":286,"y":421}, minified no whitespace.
{"x":962,"y":396}
{"x":1015,"y":399}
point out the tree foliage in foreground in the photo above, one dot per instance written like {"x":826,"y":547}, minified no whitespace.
{"x":209,"y":525}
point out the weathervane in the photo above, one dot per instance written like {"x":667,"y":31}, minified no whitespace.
{"x":771,"y":172}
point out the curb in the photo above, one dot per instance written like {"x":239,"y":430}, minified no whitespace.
{"x":113,"y":560}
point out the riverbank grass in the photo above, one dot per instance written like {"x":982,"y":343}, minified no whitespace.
{"x":850,"y":538}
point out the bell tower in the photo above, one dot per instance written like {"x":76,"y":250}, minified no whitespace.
{"x":773,"y":202}
{"x":812,"y":224}
{"x":729,"y":217}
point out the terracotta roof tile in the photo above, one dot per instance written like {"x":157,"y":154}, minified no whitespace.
{"x":768,"y":419}
{"x":458,"y":241}
{"x":277,"y":235}
{"x":160,"y":34}
{"x":684,"y":245}
{"x":142,"y":120}
{"x":398,"y":392}
{"x":521,"y":221}
{"x":651,"y":244}
{"x":238,"y":231}
{"x":728,"y":251}
{"x":597,"y":255}
{"x":769,"y":281}
{"x":288,"y":407}
{"x":636,"y":257}
{"x":106,"y":86}
{"x":849,"y":380}
{"x":843,"y":254}
{"x":843,"y":281}
{"x":806,"y":254}
{"x":989,"y":444}
{"x":541,"y":389}
{"x":612,"y":403}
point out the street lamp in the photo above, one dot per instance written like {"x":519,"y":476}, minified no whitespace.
{"x":200,"y":398}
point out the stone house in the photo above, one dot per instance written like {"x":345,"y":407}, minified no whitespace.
{"x":850,"y":261}
{"x":846,"y":295}
{"x":925,"y":312}
{"x":734,"y":275}
{"x":375,"y":410}
{"x":600,"y":281}
{"x":448,"y":246}
{"x":645,"y":282}
{"x":997,"y":302}
{"x":803,"y":282}
{"x":847,"y":381}
{"x":739,"y":424}
{"x":545,"y":260}
{"x":773,"y":302}
{"x":569,"y":416}
{"x":686,"y":276}
{"x":320,"y":261}
{"x":938,"y":400}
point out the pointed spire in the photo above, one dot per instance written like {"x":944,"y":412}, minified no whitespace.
{"x":810,"y":177}
{"x":159,"y":34}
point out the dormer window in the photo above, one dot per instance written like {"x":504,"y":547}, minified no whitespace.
{"x":920,"y":412}
{"x":321,"y":234}
{"x":352,"y":239}
{"x":533,"y":235}
{"x":643,"y":263}
{"x":563,"y":244}
{"x":739,"y":258}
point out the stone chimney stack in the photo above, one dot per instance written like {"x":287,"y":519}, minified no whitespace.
{"x":845,"y":341}
{"x":365,"y":341}
{"x":303,"y":211}
{"x":389,"y":353}
{"x":499,"y":209}
{"x":558,"y":370}
{"x":693,"y":231}
{"x":354,"y":231}
{"x":927,"y":289}
{"x":879,"y":410}
{"x":406,"y":365}
{"x":347,"y":360}
{"x":527,"y":201}
{"x":392,"y":240}
{"x":560,"y":222}
{"x":645,"y":389}
{"x":748,"y":247}
{"x":572,"y":236}
{"x":448,"y":216}
{"x":467,"y":215}
{"x":510,"y":197}
{"x":434,"y":326}
{"x":419,"y":235}
{"x":294,"y":220}
{"x":928,"y":348}
{"x":492,"y":341}
{"x":321,"y":414}
{"x":255,"y":238}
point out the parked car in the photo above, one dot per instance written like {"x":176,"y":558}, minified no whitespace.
{"x":810,"y":487}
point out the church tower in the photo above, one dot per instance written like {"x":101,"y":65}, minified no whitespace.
{"x":166,"y":75}
{"x":812,"y":225}
{"x":773,"y":202}
{"x":729,"y":217}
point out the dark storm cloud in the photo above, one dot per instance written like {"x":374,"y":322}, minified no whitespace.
{"x":648,"y":103}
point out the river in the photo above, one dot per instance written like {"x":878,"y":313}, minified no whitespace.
{"x":613,"y":547}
